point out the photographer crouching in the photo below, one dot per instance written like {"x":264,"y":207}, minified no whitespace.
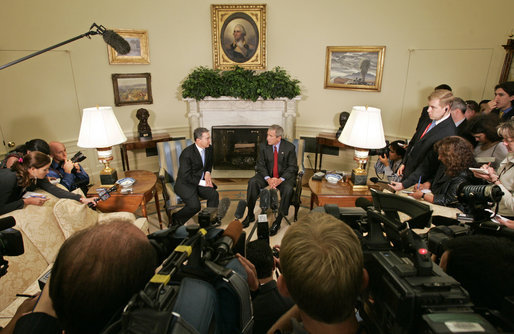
{"x":69,"y":172}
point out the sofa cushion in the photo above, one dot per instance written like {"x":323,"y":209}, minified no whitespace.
{"x":73,"y":216}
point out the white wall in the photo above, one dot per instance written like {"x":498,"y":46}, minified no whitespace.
{"x":298,"y":31}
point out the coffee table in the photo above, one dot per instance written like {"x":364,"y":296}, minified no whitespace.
{"x":142,"y":192}
{"x":341,"y":193}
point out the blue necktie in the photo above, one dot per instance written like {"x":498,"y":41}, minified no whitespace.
{"x":203,"y":156}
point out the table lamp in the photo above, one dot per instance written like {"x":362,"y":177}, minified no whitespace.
{"x":363,"y":131}
{"x":100,"y":129}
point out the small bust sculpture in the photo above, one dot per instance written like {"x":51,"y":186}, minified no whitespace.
{"x":343,"y":118}
{"x":145,"y":132}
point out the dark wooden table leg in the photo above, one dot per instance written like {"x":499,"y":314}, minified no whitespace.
{"x":156,"y":196}
{"x":122,"y":157}
{"x":316,"y":157}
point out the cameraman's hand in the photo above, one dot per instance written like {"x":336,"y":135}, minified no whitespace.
{"x":396,"y":185}
{"x":26,"y":307}
{"x":506,"y":222}
{"x":77,"y":167}
{"x":86,"y":200}
{"x":400,"y":169}
{"x":251,"y":272}
{"x":384,"y":160}
{"x":67,"y":166}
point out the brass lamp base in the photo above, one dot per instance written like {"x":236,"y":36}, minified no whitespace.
{"x":108,"y":177}
{"x":359,"y":179}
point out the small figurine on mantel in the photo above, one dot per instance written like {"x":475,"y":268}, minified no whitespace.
{"x":145,"y":133}
{"x":343,"y":118}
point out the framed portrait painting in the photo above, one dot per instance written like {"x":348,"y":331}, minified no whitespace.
{"x":138,"y":41}
{"x":239,"y":36}
{"x":354,"y":67}
{"x":132,"y":88}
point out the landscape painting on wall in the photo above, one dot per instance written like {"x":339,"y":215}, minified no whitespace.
{"x":132,"y":88}
{"x":354,"y":67}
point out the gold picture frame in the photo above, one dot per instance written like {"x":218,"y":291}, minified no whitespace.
{"x":354,"y":67}
{"x":248,"y":49}
{"x":138,"y":41}
{"x":132,"y":88}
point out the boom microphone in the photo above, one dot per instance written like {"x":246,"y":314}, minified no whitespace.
{"x":7,"y":222}
{"x":223,"y":208}
{"x":240,"y":210}
{"x":364,"y":203}
{"x":265,"y":199}
{"x":117,"y":42}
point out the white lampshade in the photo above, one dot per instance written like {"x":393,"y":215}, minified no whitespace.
{"x":363,"y":129}
{"x":100,"y":128}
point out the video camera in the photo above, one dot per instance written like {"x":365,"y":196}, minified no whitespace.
{"x":11,"y":242}
{"x":199,"y":287}
{"x":380,"y":151}
{"x":78,"y":157}
{"x":407,"y":292}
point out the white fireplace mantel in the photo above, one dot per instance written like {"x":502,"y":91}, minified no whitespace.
{"x":225,"y":111}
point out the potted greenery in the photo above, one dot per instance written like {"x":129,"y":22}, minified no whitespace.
{"x":239,"y":83}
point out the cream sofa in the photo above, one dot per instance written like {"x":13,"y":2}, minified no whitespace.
{"x":44,"y":229}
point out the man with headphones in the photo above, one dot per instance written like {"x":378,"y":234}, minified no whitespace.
{"x":420,"y":161}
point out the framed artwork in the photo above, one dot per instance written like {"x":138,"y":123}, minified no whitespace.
{"x":354,"y":67}
{"x":133,"y":88}
{"x":138,"y":41}
{"x":507,"y":73}
{"x":239,"y":36}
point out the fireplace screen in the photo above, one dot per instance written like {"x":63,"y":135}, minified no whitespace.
{"x":236,"y":147}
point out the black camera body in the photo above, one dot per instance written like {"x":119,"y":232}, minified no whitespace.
{"x":11,"y":242}
{"x":78,"y":157}
{"x":380,"y":151}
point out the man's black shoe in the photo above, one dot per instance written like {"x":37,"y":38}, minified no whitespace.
{"x":275,"y":226}
{"x":246,"y":222}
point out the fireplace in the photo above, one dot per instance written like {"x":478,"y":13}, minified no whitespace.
{"x":236,"y":147}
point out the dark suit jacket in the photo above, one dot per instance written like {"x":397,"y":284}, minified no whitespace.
{"x":287,"y":163}
{"x":191,"y":169}
{"x":462,"y":131}
{"x":420,"y":151}
{"x":445,"y":187}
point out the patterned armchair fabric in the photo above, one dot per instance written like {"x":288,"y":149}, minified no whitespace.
{"x":44,"y":229}
{"x":169,"y":153}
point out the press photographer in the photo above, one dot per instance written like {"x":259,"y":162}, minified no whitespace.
{"x":389,"y":160}
{"x":69,"y":172}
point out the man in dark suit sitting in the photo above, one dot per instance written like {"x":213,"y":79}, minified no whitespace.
{"x":420,"y":159}
{"x":276,"y":168}
{"x":194,"y":177}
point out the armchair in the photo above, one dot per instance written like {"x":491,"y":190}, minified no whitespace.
{"x":169,"y":154}
{"x":296,"y":201}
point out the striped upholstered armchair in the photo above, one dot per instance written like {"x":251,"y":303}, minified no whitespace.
{"x":169,"y":153}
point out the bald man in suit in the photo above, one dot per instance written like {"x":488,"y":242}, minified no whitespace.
{"x":280,"y":175}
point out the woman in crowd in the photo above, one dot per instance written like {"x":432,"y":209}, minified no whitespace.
{"x":456,"y":156}
{"x":483,"y":129}
{"x":504,"y":175}
{"x":387,"y":165}
{"x":27,"y":174}
{"x":30,"y":146}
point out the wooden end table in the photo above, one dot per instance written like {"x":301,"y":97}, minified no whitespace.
{"x":135,"y":143}
{"x":340,"y":193}
{"x":142,"y":192}
{"x":325,"y":139}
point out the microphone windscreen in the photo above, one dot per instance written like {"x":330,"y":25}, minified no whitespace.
{"x":234,"y":230}
{"x":273,"y":195}
{"x":364,"y":203}
{"x":223,"y":208}
{"x":265,"y":199}
{"x":7,"y":222}
{"x":117,"y":42}
{"x":373,"y":179}
{"x":240,"y":210}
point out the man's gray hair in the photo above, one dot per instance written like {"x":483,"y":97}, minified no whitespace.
{"x":458,"y":103}
{"x":198,"y":132}
{"x":241,"y":27}
{"x":279,"y":131}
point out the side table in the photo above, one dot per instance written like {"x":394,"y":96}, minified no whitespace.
{"x":135,"y":143}
{"x":325,"y":139}
{"x":340,"y":193}
{"x":142,"y":192}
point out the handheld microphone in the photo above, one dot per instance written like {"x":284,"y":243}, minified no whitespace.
{"x":229,"y":238}
{"x":103,"y":194}
{"x":273,"y":194}
{"x":363,"y":203}
{"x":376,"y":180}
{"x":7,"y":222}
{"x":117,"y":42}
{"x":223,"y":208}
{"x":265,"y":199}
{"x":240,"y":210}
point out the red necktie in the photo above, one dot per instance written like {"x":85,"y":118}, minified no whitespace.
{"x":426,"y":130}
{"x":275,"y":162}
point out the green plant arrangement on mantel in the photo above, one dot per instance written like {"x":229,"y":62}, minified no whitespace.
{"x":240,"y":83}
